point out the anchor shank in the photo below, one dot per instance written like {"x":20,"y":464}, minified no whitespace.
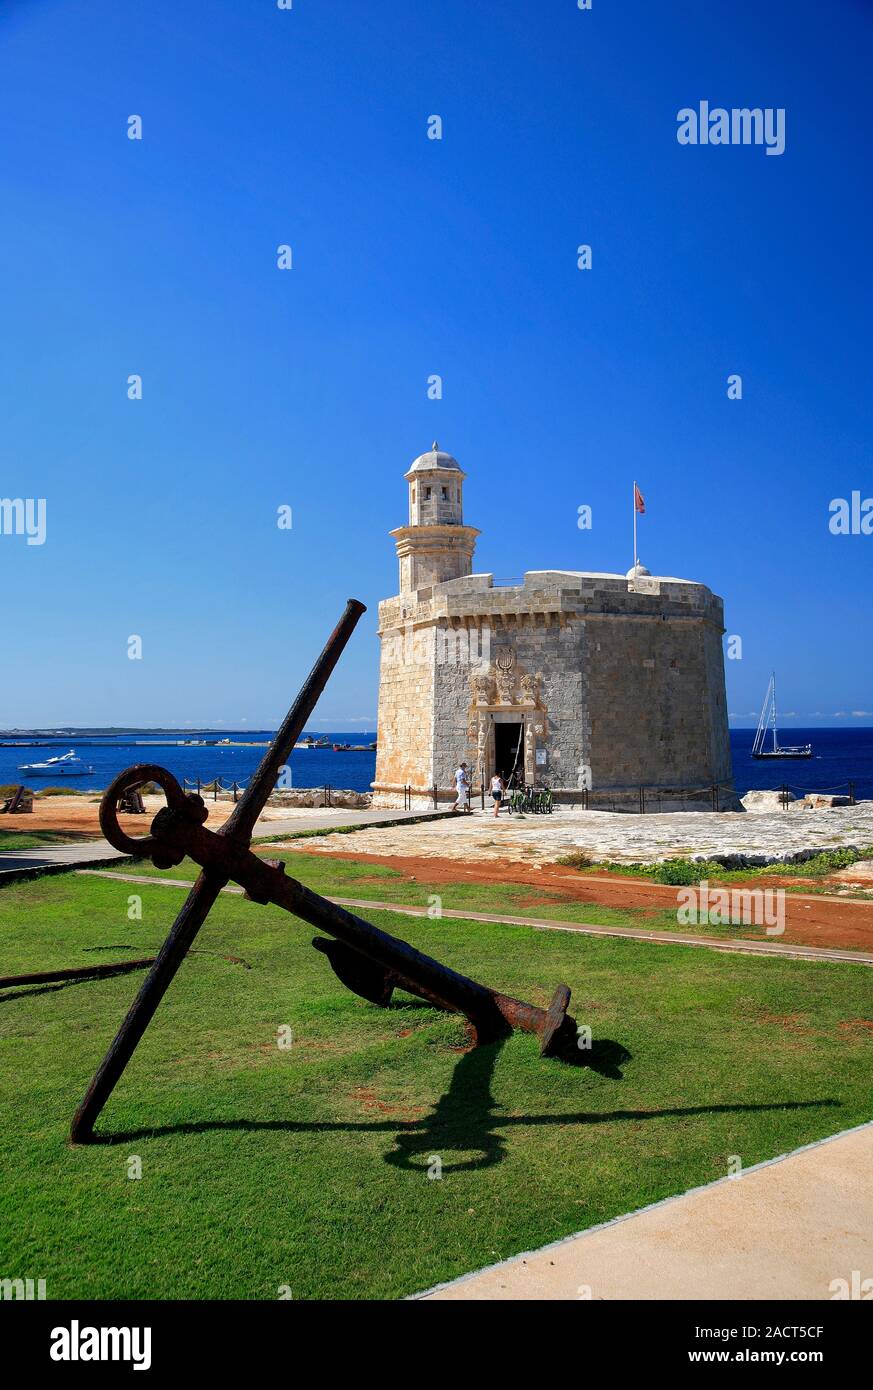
{"x":418,"y":973}
{"x":490,"y":1012}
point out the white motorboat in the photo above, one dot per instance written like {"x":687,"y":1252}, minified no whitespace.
{"x":67,"y":765}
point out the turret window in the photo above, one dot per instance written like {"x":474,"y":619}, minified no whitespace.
{"x":445,"y":494}
{"x":427,"y":494}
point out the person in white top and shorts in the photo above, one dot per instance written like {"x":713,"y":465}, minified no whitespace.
{"x":462,"y":787}
{"x":498,"y":789}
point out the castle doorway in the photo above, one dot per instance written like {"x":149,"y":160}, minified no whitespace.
{"x":509,"y":749}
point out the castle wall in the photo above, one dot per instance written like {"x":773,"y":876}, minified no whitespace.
{"x":650,"y":701}
{"x":615,"y":684}
{"x":405,"y":737}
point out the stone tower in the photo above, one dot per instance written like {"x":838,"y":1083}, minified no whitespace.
{"x":436,"y":545}
{"x":596,"y":685}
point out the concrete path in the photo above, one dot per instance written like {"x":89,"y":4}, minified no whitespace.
{"x":45,"y":856}
{"x":759,"y":948}
{"x":791,"y":1228}
{"x":99,"y":851}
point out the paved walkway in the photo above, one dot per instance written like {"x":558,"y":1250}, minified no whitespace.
{"x":790,"y":1228}
{"x":99,"y":851}
{"x":758,"y":948}
{"x":628,"y":838}
{"x":87,"y":852}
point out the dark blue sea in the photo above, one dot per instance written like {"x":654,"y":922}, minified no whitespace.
{"x":840,"y":756}
{"x":109,"y":755}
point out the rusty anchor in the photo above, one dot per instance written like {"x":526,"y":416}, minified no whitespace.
{"x":368,"y":961}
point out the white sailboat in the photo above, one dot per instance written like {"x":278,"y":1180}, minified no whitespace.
{"x":767,"y":722}
{"x":67,"y":765}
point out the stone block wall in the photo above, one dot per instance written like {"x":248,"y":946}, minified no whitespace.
{"x":618,"y":684}
{"x":404,"y":740}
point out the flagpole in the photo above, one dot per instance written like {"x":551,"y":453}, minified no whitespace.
{"x":634,"y":505}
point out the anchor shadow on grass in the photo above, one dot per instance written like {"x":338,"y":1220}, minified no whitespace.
{"x":464,"y":1119}
{"x":12,"y":992}
{"x":467,"y":1119}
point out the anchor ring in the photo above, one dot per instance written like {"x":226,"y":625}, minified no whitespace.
{"x":128,"y":781}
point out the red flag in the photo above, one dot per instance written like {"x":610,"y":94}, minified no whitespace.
{"x":639,"y":500}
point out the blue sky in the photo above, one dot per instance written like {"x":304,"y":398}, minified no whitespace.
{"x":413,"y":256}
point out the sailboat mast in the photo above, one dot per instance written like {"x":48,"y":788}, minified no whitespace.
{"x":769,"y":719}
{"x":761,"y":731}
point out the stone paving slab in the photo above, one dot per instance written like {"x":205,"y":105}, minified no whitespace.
{"x":295,"y":822}
{"x":604,"y":835}
{"x":625,"y":838}
{"x":791,"y":1228}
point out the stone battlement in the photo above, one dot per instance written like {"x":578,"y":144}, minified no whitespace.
{"x":476,"y":598}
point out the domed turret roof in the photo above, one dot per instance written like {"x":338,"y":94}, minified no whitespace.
{"x":434,"y":458}
{"x":638,"y":571}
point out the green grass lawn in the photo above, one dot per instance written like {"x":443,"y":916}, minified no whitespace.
{"x":307,"y":1167}
{"x":379,"y":882}
{"x":35,"y":839}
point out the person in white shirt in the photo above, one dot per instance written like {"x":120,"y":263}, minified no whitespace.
{"x":498,"y":788}
{"x":462,"y":787}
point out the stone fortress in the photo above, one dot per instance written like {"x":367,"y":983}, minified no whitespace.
{"x":592,"y":684}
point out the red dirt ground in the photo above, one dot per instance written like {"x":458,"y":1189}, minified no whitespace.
{"x":78,"y":816}
{"x":810,"y":920}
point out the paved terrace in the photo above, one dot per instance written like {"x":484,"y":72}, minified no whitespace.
{"x":606,"y":835}
{"x":272,"y":822}
{"x":479,"y":837}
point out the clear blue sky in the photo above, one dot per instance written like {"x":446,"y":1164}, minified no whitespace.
{"x":413,"y":257}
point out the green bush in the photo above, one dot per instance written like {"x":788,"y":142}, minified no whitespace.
{"x":578,"y":861}
{"x":829,"y":860}
{"x":678,"y":871}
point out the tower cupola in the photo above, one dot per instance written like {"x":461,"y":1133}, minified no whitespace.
{"x":435,"y":545}
{"x":436,"y":482}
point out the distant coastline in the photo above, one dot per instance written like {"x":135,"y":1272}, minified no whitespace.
{"x":62,"y":731}
{"x":125,"y":730}
{"x":841,"y":755}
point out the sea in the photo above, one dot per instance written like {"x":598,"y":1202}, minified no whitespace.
{"x":840,"y":756}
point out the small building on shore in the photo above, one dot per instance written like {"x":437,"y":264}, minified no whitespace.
{"x":595,"y":685}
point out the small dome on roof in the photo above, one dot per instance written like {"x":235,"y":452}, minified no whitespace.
{"x":434,"y":458}
{"x":637,"y":571}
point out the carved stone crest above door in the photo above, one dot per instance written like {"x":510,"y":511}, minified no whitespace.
{"x":506,"y":683}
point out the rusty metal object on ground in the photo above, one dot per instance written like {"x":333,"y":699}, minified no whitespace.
{"x":82,"y":972}
{"x":367,"y":960}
